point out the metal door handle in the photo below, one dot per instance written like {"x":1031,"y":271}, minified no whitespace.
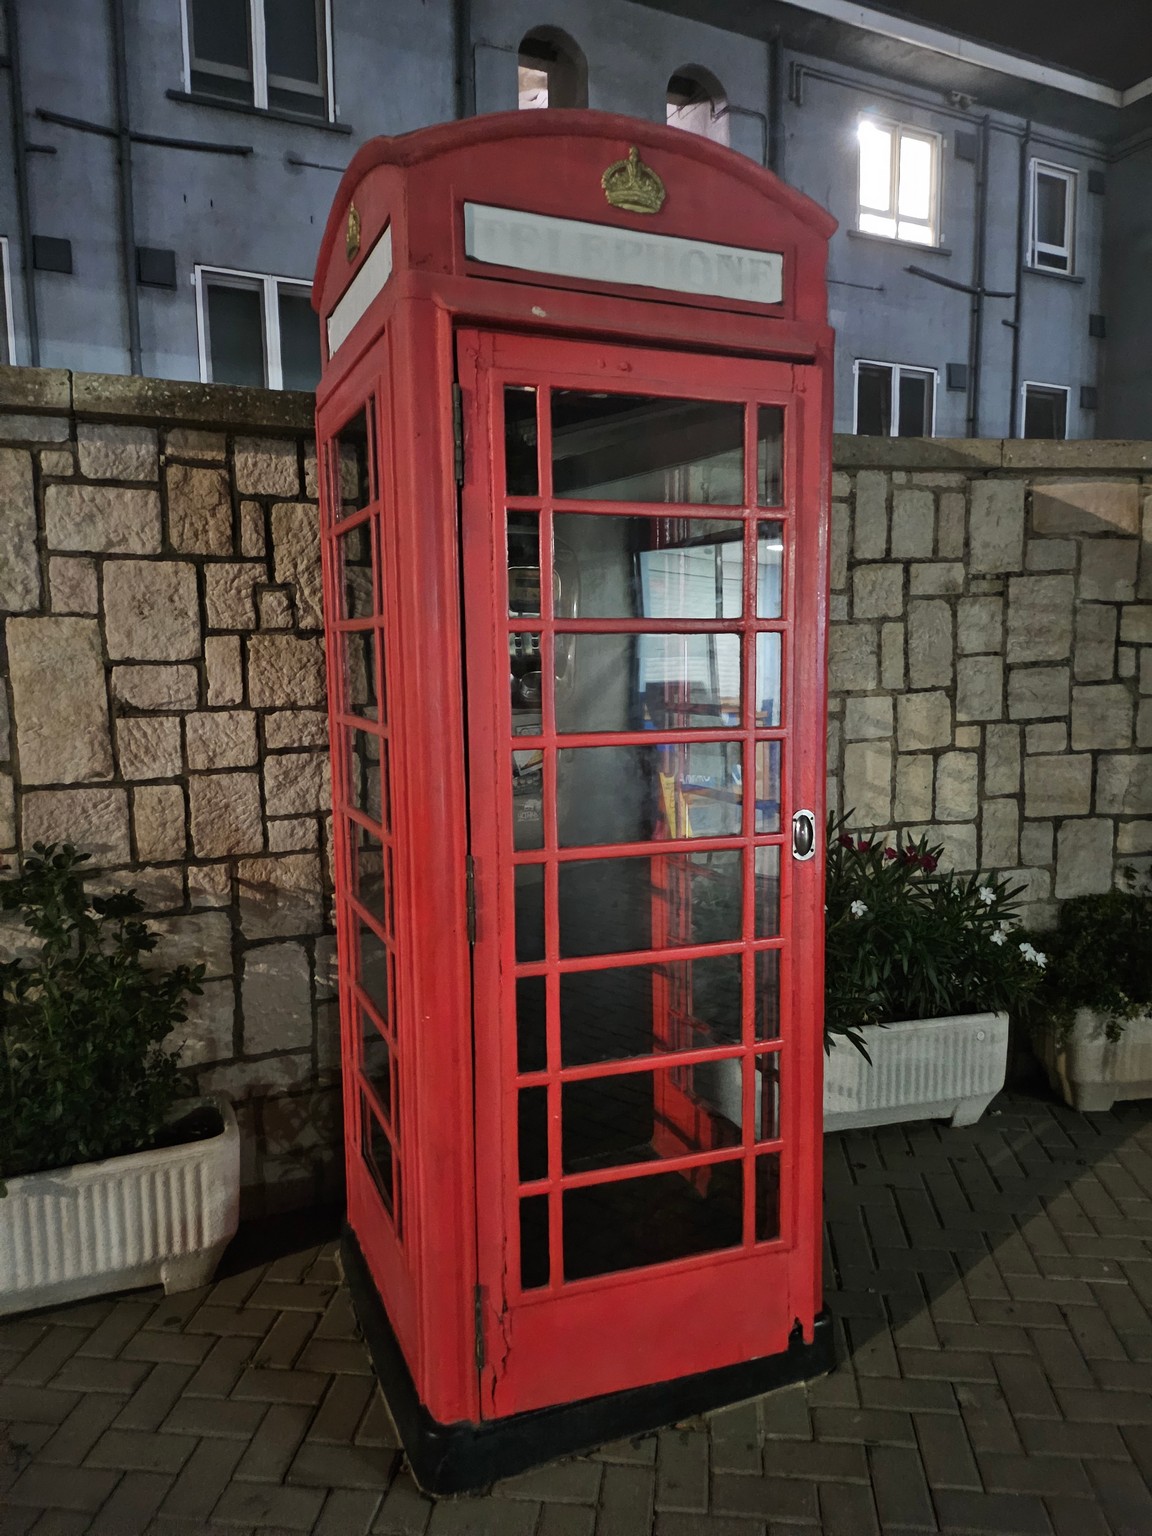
{"x":803,"y":835}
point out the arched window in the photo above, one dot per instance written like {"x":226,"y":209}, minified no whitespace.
{"x":552,"y":70}
{"x":696,"y":102}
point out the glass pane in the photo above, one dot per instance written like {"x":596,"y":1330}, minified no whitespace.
{"x":528,"y":797}
{"x":914,"y":200}
{"x":377,"y":1153}
{"x":533,"y":1136}
{"x":652,"y":1219}
{"x":299,"y":341}
{"x":235,"y":335}
{"x":644,"y":1010}
{"x":529,"y":912}
{"x":635,"y":794}
{"x":534,"y":1267}
{"x":376,"y":1063}
{"x":650,"y":567}
{"x":768,"y":786}
{"x":915,"y":393}
{"x":523,"y":565}
{"x":875,"y":167}
{"x":531,"y":1024}
{"x":292,"y":40}
{"x":767,"y":1197}
{"x":641,"y":448}
{"x":873,"y":400}
{"x":768,"y":679}
{"x":370,"y":884}
{"x":651,"y":681}
{"x":1051,"y":209}
{"x":5,"y":309}
{"x":367,"y":761}
{"x":770,"y":455}
{"x":769,"y":570}
{"x":878,"y":224}
{"x":520,"y":435}
{"x":638,"y":1117}
{"x":374,"y":970}
{"x":767,"y":1093}
{"x":214,"y":81}
{"x":360,"y":673}
{"x":611,"y":905}
{"x":356,"y":554}
{"x":767,"y":864}
{"x":1045,"y":413}
{"x":356,"y":483}
{"x":767,"y":968}
{"x":220,"y":32}
{"x":919,"y":234}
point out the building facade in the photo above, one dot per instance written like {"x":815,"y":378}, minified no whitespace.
{"x":172,"y":167}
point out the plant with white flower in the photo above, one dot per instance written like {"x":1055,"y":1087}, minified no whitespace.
{"x":998,"y":936}
{"x":1034,"y":955}
{"x":987,"y":895}
{"x":858,"y":909}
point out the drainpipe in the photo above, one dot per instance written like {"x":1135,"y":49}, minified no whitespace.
{"x":1015,"y":425}
{"x":979,"y":264}
{"x":20,"y":168}
{"x":776,"y":105}
{"x":124,"y":164}
{"x":465,"y":79}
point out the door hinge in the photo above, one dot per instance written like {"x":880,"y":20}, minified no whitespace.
{"x":479,"y":1314}
{"x":470,"y":896}
{"x":458,"y":432}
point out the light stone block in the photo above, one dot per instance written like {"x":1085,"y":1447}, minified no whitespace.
{"x":285,"y":672}
{"x":93,"y":820}
{"x":892,"y":657}
{"x":102,"y":519}
{"x":841,"y":484}
{"x":199,"y":510}
{"x":274,"y":608}
{"x":296,"y":557}
{"x":833,"y":744}
{"x":966,"y":736}
{"x":195,"y":938}
{"x":1040,"y":612}
{"x":1001,"y":759}
{"x":297,"y":783}
{"x":956,"y":786}
{"x":979,"y":688}
{"x":116,"y":453}
{"x":57,"y":462}
{"x":252,"y":540}
{"x":1144,"y":583}
{"x":281,"y":895}
{"x":1146,"y":672}
{"x":1101,"y":717}
{"x":999,"y":834}
{"x":957,"y":843}
{"x":1050,"y":554}
{"x":840,"y":533}
{"x":18,"y":428}
{"x":19,"y":561}
{"x":864,"y":719}
{"x":156,"y":687}
{"x":276,"y":999}
{"x":1133,"y":837}
{"x":1037,"y":887}
{"x":1058,"y":786}
{"x":244,"y":1081}
{"x":1084,"y":858}
{"x":7,"y":814}
{"x":852,"y":657}
{"x":224,"y":670}
{"x":1036,"y":692}
{"x":924,"y":721}
{"x":266,"y":466}
{"x":1124,"y":785}
{"x":208,"y":1031}
{"x":1136,"y":624}
{"x":158,"y":822}
{"x":229,"y":594}
{"x":1094,"y":654}
{"x":950,"y":526}
{"x":979,"y":625}
{"x":1049,"y":736}
{"x":936,"y":579}
{"x":288,"y":728}
{"x":1126,"y":663}
{"x":929,"y":643}
{"x":221,"y":739}
{"x":871,"y":514}
{"x":996,"y":526}
{"x":72,"y":584}
{"x":1036,"y":842}
{"x":226,"y":814}
{"x":1086,"y":506}
{"x":60,"y":706}
{"x":1108,"y":570}
{"x":151,"y":610}
{"x":838,"y":607}
{"x":191,"y":443}
{"x":868,"y":783}
{"x":1144,"y":723}
{"x":5,"y":728}
{"x":161,"y":889}
{"x":878,"y":591}
{"x":913,"y":788}
{"x":209,"y":885}
{"x":913,"y":524}
{"x":292,"y":834}
{"x":148,"y":746}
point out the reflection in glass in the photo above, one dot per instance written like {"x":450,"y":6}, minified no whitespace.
{"x":635,"y":1117}
{"x":770,"y":455}
{"x":376,"y":1150}
{"x":643,"y":1010}
{"x":643,"y":448}
{"x":768,"y":679}
{"x":354,"y":464}
{"x":523,"y":565}
{"x":767,"y":1197}
{"x":367,"y":764}
{"x":533,"y":1134}
{"x":611,"y":905}
{"x":356,"y":556}
{"x":528,"y":797}
{"x":652,"y":681}
{"x":375,"y":1063}
{"x":769,"y":570}
{"x":767,"y":1096}
{"x":655,"y":567}
{"x":529,"y":912}
{"x":768,"y":786}
{"x":374,"y":970}
{"x":652,"y":1219}
{"x":531,"y":1024}
{"x":369,"y":885}
{"x":360,"y":675}
{"x":635,"y":794}
{"x":520,"y":435}
{"x":534,"y":1268}
{"x":767,"y":966}
{"x":768,"y":892}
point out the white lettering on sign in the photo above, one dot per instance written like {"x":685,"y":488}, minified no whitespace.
{"x":375,"y":270}
{"x":534,"y":242}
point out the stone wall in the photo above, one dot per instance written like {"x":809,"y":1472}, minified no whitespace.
{"x":163,"y":690}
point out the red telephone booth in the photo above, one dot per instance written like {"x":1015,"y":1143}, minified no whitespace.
{"x":574,"y":433}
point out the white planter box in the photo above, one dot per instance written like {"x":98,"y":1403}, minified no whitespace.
{"x":164,"y":1216}
{"x":922,"y":1069}
{"x":1091,"y":1071}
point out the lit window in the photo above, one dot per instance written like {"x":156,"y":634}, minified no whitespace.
{"x":1045,"y":411}
{"x":552,"y":71}
{"x":7,"y":330}
{"x":899,"y":173}
{"x":265,"y":53}
{"x":256,"y":330}
{"x":1052,"y":219}
{"x":894,"y":401}
{"x":696,"y":103}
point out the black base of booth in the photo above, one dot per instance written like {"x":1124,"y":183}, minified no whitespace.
{"x":457,"y":1458}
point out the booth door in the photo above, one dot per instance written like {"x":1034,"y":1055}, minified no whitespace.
{"x":642,"y":575}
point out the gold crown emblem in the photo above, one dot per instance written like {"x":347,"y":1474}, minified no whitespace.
{"x":633,"y":185}
{"x":352,"y":233}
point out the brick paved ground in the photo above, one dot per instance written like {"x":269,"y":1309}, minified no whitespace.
{"x":993,"y":1287}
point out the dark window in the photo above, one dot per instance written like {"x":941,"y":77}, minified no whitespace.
{"x":892,"y":401}
{"x":235,"y":340}
{"x":1045,"y":411}
{"x":552,"y":71}
{"x":268,"y":53}
{"x":259,"y":331}
{"x":1053,"y":201}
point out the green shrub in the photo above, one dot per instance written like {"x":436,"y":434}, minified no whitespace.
{"x":84,"y":1072}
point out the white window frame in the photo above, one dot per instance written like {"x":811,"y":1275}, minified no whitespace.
{"x":899,"y":132}
{"x":261,"y":79}
{"x":269,"y":286}
{"x":1055,"y":389}
{"x":894,"y":400}
{"x":1036,"y":248}
{"x":7,"y":319}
